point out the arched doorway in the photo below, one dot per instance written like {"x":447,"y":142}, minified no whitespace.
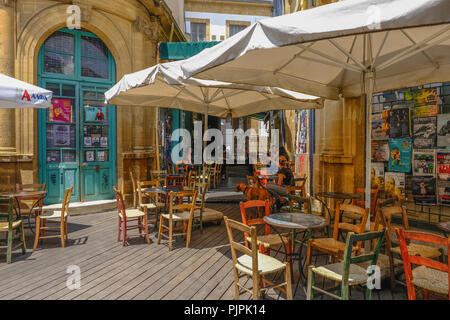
{"x":77,"y":136}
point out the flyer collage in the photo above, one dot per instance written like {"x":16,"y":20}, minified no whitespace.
{"x":411,"y":139}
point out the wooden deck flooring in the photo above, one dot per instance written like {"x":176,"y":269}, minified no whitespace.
{"x":138,"y":271}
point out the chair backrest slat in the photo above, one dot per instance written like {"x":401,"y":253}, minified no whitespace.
{"x":256,"y":221}
{"x":359,"y":228}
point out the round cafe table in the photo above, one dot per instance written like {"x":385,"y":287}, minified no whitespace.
{"x":296,"y":222}
{"x":25,"y":195}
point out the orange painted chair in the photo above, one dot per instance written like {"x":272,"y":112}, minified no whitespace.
{"x":373,"y":200}
{"x":430,"y":275}
{"x":268,"y":240}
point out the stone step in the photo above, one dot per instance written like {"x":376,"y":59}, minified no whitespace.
{"x":88,"y":207}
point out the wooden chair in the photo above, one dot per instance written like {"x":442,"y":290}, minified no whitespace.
{"x":416,"y":249}
{"x":155,"y":204}
{"x":255,"y":264}
{"x":33,"y":206}
{"x":134,"y":185}
{"x":362,"y":203}
{"x":203,"y":214}
{"x":175,"y":181}
{"x":430,"y":275}
{"x":157,"y":175}
{"x":213,"y":174}
{"x":296,"y":191}
{"x":332,"y":246}
{"x":127,"y":216}
{"x":183,"y":213}
{"x":268,"y":240}
{"x":59,"y":217}
{"x":347,"y":273}
{"x":218,"y":175}
{"x":10,"y":227}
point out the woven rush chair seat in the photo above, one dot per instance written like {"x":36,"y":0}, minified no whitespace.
{"x":270,"y":240}
{"x":266,"y":264}
{"x":133,"y":213}
{"x":153,"y":206}
{"x":415,"y":249}
{"x":334,"y":271}
{"x":330,"y":245}
{"x":15,"y":225}
{"x":383,"y":264}
{"x":210,"y":214}
{"x":52,"y":215}
{"x":431,"y":279}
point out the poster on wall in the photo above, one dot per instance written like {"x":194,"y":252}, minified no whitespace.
{"x":424,"y":135}
{"x":61,"y":111}
{"x":95,"y":114}
{"x":301,"y":164}
{"x":443,"y":130}
{"x":443,"y":165}
{"x":380,"y":151}
{"x":377,"y":127}
{"x":394,"y":183}
{"x":400,"y":155}
{"x":102,"y":156}
{"x":385,"y":123}
{"x":424,"y":163}
{"x":425,"y":103}
{"x":90,"y":156}
{"x":399,"y":123}
{"x":443,"y":192}
{"x":424,"y":190}
{"x":377,"y":175}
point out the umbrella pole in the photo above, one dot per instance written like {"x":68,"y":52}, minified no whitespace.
{"x":368,"y":107}
{"x":204,"y":143}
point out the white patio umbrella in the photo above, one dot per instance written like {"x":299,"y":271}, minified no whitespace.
{"x":345,"y":49}
{"x":162,"y":86}
{"x":18,"y":94}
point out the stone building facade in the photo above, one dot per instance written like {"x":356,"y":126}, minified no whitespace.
{"x":130,"y":30}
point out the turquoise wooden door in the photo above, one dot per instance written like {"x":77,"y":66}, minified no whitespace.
{"x":98,"y":147}
{"x":77,"y":135}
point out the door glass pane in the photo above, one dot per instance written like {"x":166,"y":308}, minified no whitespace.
{"x":69,"y":156}
{"x":68,"y":90}
{"x":93,"y":47}
{"x":102,"y":156}
{"x":94,"y":68}
{"x":96,"y":136}
{"x":54,"y":87}
{"x":58,"y":63}
{"x":60,"y":42}
{"x":53,"y":156}
{"x":61,"y":136}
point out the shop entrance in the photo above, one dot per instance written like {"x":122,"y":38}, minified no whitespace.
{"x":77,"y":137}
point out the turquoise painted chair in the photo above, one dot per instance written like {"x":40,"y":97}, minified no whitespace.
{"x":346,"y":272}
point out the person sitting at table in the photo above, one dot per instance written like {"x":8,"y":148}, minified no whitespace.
{"x":286,"y":178}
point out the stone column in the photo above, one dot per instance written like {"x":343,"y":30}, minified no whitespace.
{"x":333,"y":144}
{"x":7,"y":116}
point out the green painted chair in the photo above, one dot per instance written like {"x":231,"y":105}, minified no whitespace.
{"x":346,"y":273}
{"x":10,"y":227}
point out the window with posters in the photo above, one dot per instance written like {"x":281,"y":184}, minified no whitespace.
{"x":413,"y":125}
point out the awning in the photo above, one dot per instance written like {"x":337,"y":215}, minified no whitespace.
{"x":183,"y":50}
